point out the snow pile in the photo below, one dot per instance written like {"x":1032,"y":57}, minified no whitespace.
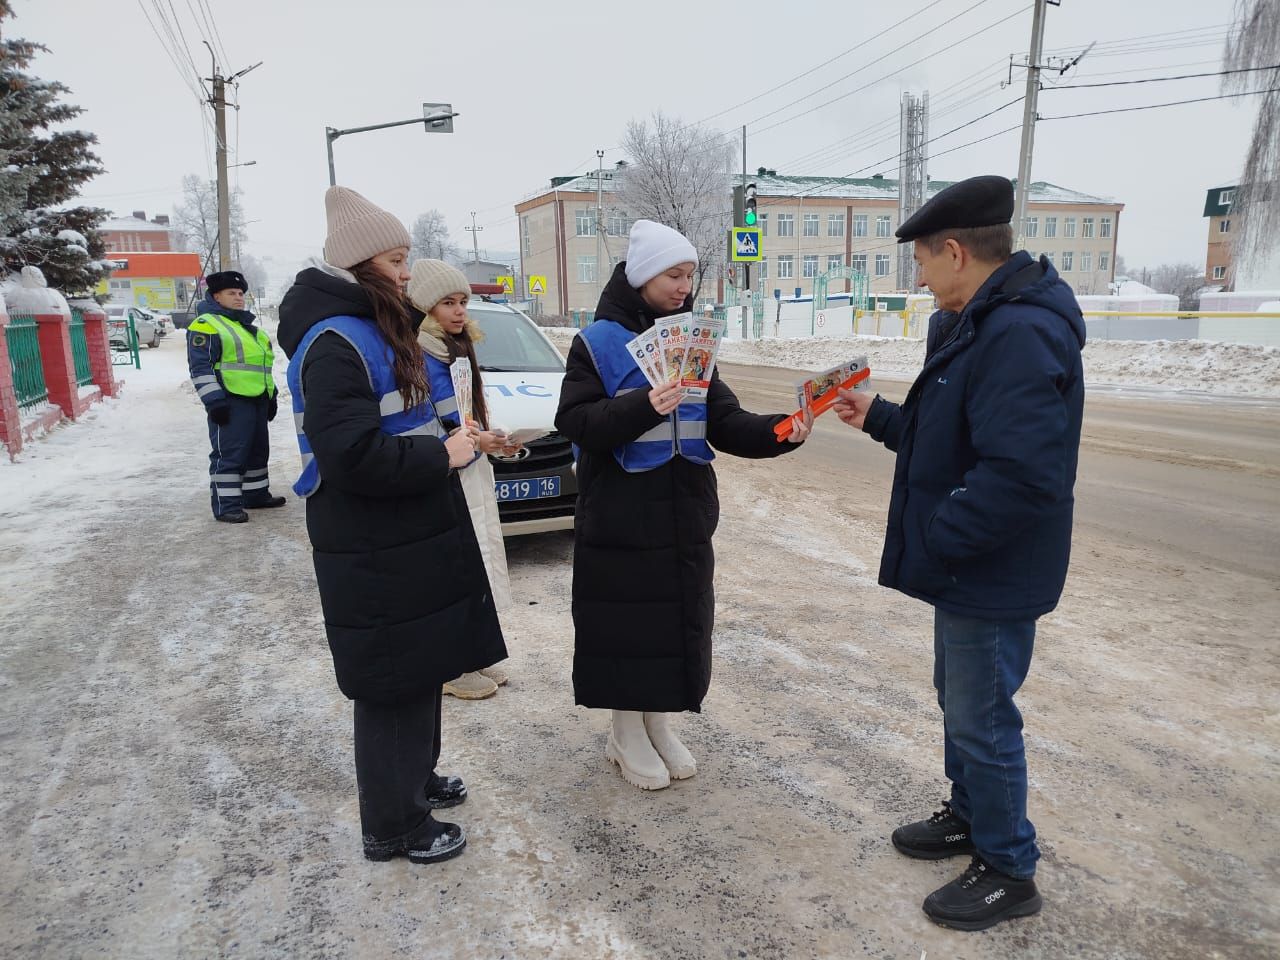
{"x":30,"y":293}
{"x":1224,"y":369}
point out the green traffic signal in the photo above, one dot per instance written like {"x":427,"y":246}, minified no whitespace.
{"x":749,"y":218}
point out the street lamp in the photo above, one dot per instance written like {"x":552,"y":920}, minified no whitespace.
{"x":436,"y":118}
{"x":247,"y":163}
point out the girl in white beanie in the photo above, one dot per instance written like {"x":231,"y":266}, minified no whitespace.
{"x":440,"y":293}
{"x":643,"y":606}
{"x":402,"y":584}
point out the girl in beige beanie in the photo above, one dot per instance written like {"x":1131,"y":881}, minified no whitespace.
{"x":440,"y":293}
{"x":385,"y":509}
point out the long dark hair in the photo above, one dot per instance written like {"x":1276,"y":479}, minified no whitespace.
{"x":392,"y":320}
{"x":461,"y":345}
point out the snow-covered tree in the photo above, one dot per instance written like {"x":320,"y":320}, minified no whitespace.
{"x":430,"y":236}
{"x":1254,"y":43}
{"x":679,"y":176}
{"x":43,"y":169}
{"x":1183,"y":280}
{"x":195,"y":220}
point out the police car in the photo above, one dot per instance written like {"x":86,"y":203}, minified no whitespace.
{"x":522,"y":371}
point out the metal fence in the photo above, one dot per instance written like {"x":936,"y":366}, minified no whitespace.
{"x":24,"y":359}
{"x":80,"y":348}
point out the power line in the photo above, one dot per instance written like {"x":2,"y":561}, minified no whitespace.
{"x":1156,"y":106}
{"x":1185,"y":76}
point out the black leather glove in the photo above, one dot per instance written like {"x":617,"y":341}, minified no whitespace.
{"x":220,"y":413}
{"x":273,"y":405}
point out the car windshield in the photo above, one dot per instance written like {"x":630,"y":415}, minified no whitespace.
{"x":511,"y":342}
{"x":116,"y":310}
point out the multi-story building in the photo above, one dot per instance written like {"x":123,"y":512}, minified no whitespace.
{"x":149,"y":271}
{"x":137,"y":233}
{"x":1217,"y":261}
{"x":809,"y":225}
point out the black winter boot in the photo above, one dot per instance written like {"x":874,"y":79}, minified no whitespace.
{"x":266,"y":504}
{"x":981,"y":897}
{"x":942,"y":835}
{"x":233,"y":516}
{"x":443,"y":792}
{"x":431,"y":842}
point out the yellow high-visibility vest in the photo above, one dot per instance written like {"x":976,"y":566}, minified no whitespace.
{"x":245,"y":366}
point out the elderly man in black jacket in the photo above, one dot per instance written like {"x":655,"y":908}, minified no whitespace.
{"x":980,"y":522}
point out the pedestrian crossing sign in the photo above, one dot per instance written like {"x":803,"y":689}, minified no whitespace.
{"x":537,"y":285}
{"x":508,"y":284}
{"x":744,"y":244}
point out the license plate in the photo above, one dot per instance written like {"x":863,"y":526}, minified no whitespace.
{"x":531,"y":488}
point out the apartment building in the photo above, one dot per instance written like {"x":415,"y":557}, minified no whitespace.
{"x":1217,"y":260}
{"x":809,"y":225}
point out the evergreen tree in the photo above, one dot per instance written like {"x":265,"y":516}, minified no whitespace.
{"x":41,"y":171}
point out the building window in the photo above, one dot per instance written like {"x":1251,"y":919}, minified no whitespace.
{"x":1086,"y":228}
{"x":882,"y":227}
{"x":786,"y":265}
{"x":1068,"y":256}
{"x":859,"y":224}
{"x":617,"y":225}
{"x":764,"y":269}
{"x":1050,"y":256}
{"x":524,"y":228}
{"x":1104,"y":228}
{"x":1220,"y":273}
{"x":1224,"y":225}
{"x":763,"y":221}
{"x":810,"y":224}
{"x":859,"y":263}
{"x":810,"y":265}
{"x":1086,"y":262}
{"x":1224,"y":199}
{"x":882,"y":264}
{"x":835,"y":261}
{"x":1068,"y":226}
{"x":1033,"y":227}
{"x":1050,"y":227}
{"x":786,"y":224}
{"x":1104,"y":261}
{"x":586,"y":222}
{"x":835,"y":224}
{"x":586,"y":269}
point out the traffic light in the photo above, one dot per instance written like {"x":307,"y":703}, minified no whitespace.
{"x":749,"y":218}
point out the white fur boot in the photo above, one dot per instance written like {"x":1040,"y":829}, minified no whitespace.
{"x":629,"y":747}
{"x":679,"y":761}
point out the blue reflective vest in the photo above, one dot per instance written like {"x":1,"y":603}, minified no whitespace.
{"x":682,"y":434}
{"x":443,"y":399}
{"x":373,"y":350}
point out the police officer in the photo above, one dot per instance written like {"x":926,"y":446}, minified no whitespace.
{"x":230,"y":361}
{"x":980,"y":522}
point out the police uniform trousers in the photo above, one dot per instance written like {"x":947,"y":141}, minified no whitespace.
{"x":238,"y":456}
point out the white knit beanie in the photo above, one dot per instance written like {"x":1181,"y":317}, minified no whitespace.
{"x":654,"y":248}
{"x":358,"y":230}
{"x":430,"y":281}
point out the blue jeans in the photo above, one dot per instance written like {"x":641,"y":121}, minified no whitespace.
{"x":978,"y":665}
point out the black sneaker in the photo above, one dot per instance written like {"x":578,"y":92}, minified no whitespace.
{"x":232,"y":516}
{"x":942,"y":835}
{"x":981,"y":897}
{"x":443,"y":792}
{"x":432,"y":842}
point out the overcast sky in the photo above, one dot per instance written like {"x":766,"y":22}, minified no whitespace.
{"x":541,"y":86}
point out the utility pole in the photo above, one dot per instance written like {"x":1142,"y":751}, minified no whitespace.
{"x":218,"y":101}
{"x":600,"y":274}
{"x":1029,"y":117}
{"x":746,"y":267}
{"x":475,"y":236}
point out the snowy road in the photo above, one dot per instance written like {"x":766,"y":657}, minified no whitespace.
{"x":177,"y":762}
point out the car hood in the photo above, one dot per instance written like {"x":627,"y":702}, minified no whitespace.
{"x":522,"y":401}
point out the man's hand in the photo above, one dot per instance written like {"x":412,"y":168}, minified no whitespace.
{"x":273,"y":406}
{"x":852,"y":407}
{"x":666,"y":398}
{"x":220,"y":413}
{"x":461,"y":448}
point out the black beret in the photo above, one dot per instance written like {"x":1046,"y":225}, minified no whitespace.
{"x":976,"y":202}
{"x":226,"y":280}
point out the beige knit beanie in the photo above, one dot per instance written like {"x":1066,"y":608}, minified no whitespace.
{"x":430,"y":281}
{"x":358,"y":230}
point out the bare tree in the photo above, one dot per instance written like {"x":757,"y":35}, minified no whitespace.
{"x":1254,"y":43}
{"x":430,"y":239}
{"x":1183,"y":280}
{"x":195,"y":220}
{"x":255,"y":274}
{"x":679,"y":176}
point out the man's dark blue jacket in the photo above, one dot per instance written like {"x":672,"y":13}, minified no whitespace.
{"x":987,"y":440}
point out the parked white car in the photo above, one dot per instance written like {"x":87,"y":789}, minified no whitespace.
{"x":118,"y":315}
{"x":537,"y":489}
{"x":163,"y":320}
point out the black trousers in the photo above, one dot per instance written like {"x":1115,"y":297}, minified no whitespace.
{"x":397,"y":748}
{"x":238,"y":456}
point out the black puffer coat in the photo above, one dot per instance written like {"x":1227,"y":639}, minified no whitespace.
{"x":406,"y":601}
{"x":643,"y":605}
